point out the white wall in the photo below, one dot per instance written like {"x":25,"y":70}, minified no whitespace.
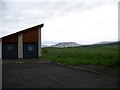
{"x":39,"y":43}
{"x":20,"y":46}
{"x":0,"y":48}
{"x":0,"y":63}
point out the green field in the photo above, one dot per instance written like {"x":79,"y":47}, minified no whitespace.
{"x":106,"y":55}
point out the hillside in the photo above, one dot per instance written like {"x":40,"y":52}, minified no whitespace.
{"x":74,"y":44}
{"x":100,"y":44}
{"x":107,"y":42}
{"x":66,"y":44}
{"x":44,"y":46}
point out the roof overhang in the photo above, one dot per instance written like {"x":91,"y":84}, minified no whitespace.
{"x":25,"y":30}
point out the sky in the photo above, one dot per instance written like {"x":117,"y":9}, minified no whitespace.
{"x":80,"y":21}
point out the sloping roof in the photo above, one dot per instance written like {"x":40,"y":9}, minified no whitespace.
{"x":26,"y":30}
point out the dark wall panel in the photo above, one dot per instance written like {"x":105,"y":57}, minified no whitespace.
{"x":30,"y":50}
{"x":9,"y":50}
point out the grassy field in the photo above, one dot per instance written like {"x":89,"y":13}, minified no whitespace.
{"x":106,"y":55}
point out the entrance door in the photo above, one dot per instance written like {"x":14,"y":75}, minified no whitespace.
{"x":30,"y":50}
{"x":9,"y":50}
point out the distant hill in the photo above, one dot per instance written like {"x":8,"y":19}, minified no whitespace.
{"x":107,"y":42}
{"x":102,"y":44}
{"x":66,"y":44}
{"x":43,"y":46}
{"x":74,"y":44}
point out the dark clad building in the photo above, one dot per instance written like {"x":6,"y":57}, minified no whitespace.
{"x":23,"y":44}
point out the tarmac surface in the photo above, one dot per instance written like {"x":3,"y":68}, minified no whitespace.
{"x":43,"y":74}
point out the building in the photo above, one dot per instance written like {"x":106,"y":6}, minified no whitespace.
{"x":22,"y":44}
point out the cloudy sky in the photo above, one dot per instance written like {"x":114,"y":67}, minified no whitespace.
{"x":81,"y":21}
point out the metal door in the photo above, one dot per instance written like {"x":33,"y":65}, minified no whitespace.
{"x":9,"y":50}
{"x":30,"y":50}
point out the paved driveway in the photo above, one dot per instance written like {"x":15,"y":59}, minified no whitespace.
{"x":51,"y":75}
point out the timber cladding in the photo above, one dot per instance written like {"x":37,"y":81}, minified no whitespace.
{"x":30,"y":36}
{"x":10,"y":38}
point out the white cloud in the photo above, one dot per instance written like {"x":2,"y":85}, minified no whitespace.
{"x":97,"y":24}
{"x":82,"y":21}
